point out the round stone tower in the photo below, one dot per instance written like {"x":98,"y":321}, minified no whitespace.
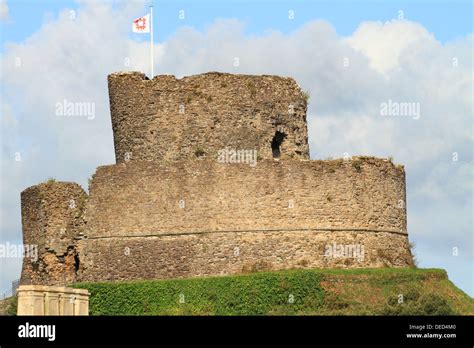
{"x":168,"y":119}
{"x":51,"y":218}
{"x":213,"y":177}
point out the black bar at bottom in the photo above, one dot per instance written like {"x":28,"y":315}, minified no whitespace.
{"x":450,"y":330}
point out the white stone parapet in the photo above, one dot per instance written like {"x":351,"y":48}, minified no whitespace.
{"x":52,"y":300}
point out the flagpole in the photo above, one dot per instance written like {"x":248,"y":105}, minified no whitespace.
{"x":151,"y":39}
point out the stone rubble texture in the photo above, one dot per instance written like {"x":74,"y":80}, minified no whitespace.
{"x":169,"y":209}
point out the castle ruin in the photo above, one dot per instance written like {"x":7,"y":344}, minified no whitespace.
{"x":213,"y":177}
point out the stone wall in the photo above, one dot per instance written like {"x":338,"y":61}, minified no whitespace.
{"x":51,"y":219}
{"x":201,"y":217}
{"x":172,"y":208}
{"x":220,"y":253}
{"x":169,"y":119}
{"x":52,"y":300}
{"x":140,"y":198}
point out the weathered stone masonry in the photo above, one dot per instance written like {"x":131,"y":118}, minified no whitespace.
{"x":52,"y":219}
{"x":168,"y":210}
{"x":166,"y":119}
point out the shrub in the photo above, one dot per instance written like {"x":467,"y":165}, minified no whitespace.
{"x":12,"y":307}
{"x":253,"y":294}
{"x":416,"y":304}
{"x":199,"y":152}
{"x":433,"y":304}
{"x":306,"y":96}
{"x":357,"y":164}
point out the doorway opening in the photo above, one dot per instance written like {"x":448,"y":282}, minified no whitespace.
{"x":277,"y":140}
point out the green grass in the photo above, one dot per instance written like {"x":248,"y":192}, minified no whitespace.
{"x":292,"y":292}
{"x":256,"y":294}
{"x":8,"y":306}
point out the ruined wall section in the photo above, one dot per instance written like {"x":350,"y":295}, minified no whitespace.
{"x":192,"y":196}
{"x":222,"y":253}
{"x":170,"y":119}
{"x":169,"y":208}
{"x":149,"y":220}
{"x":51,"y":220}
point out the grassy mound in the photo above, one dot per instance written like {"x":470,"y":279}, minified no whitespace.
{"x":292,"y":292}
{"x":8,"y":306}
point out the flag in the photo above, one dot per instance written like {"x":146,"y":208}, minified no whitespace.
{"x":142,"y":24}
{"x":145,"y":25}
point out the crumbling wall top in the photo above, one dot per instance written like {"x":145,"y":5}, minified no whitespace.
{"x":168,"y":119}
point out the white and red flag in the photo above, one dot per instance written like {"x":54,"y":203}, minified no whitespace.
{"x":145,"y":25}
{"x":142,"y":24}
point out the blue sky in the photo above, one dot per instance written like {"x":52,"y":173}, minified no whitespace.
{"x":446,"y":19}
{"x":426,"y":57}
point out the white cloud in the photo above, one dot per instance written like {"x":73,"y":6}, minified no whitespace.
{"x":3,"y":10}
{"x":384,"y":43}
{"x":399,"y":60}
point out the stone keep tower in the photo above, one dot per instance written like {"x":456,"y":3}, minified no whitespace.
{"x":167,"y":119}
{"x":174,"y":206}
